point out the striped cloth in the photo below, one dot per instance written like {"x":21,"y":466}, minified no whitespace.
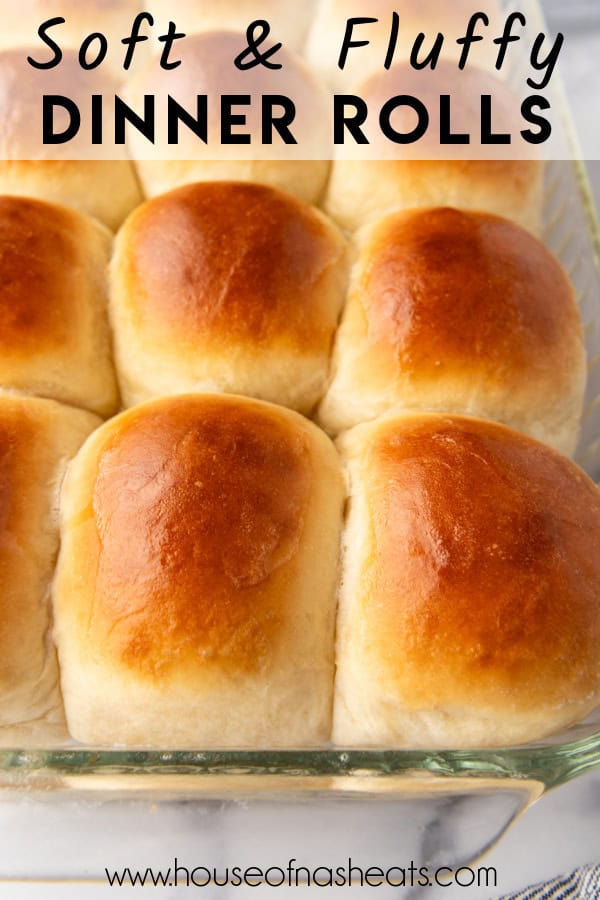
{"x":584,"y":884}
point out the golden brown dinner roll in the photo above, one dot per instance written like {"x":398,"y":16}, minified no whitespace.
{"x":194,"y":598}
{"x":459,"y":312}
{"x":431,"y":17}
{"x":470,"y":603}
{"x":289,"y":22}
{"x":207,"y":68}
{"x":370,"y":181}
{"x":97,"y":180}
{"x":37,"y":437}
{"x":227,"y":286}
{"x":54,"y":335}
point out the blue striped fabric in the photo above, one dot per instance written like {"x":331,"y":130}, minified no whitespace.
{"x":584,"y":884}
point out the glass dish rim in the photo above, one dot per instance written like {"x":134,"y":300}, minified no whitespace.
{"x":551,"y":765}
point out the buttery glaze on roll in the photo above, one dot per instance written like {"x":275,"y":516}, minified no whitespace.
{"x":54,"y":334}
{"x":470,"y":604}
{"x":195,"y":593}
{"x":95,"y":179}
{"x":506,"y":180}
{"x":459,"y":312}
{"x":37,"y":437}
{"x":227,"y":287}
{"x":207,"y":68}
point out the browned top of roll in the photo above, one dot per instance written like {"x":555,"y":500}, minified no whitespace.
{"x":38,"y":252}
{"x":468,"y":291}
{"x":484,"y":572}
{"x":236,"y":262}
{"x":198,"y":503}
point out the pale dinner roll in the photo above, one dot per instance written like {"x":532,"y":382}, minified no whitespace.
{"x":97,"y":180}
{"x":363,"y":190}
{"x":289,"y":22}
{"x":371,"y":180}
{"x":230,"y":287}
{"x":459,"y":312}
{"x":54,"y":334}
{"x":195,"y":593}
{"x":207,"y":68}
{"x":470,"y":607}
{"x":430,"y":17}
{"x":104,"y":189}
{"x":37,"y":437}
{"x":112,"y":18}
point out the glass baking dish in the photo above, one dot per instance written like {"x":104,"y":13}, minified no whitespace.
{"x":436,"y":809}
{"x":136,"y":808}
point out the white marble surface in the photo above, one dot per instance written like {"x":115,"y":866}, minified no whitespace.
{"x":563,"y":830}
{"x":560,"y":832}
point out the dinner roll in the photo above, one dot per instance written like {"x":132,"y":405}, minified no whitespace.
{"x":54,"y":336}
{"x":470,"y":607}
{"x":370,"y":181}
{"x":459,"y":312}
{"x":97,"y":180}
{"x":207,"y":68}
{"x":37,"y":437}
{"x":112,"y":18}
{"x":431,"y":17}
{"x":363,"y":190}
{"x":230,"y":287}
{"x":288,"y":22}
{"x":194,"y":598}
{"x":106,"y":190}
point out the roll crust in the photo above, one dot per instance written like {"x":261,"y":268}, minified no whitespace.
{"x":37,"y":437}
{"x":361,"y":191}
{"x":469,"y":613}
{"x":54,"y":337}
{"x":459,"y":312}
{"x":227,"y":286}
{"x":177,"y":487}
{"x":207,"y":68}
{"x":187,"y":580}
{"x":504,"y":180}
{"x":95,"y":179}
